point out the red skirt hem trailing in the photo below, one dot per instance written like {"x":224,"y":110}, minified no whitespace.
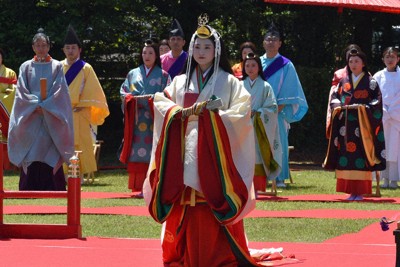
{"x":137,"y":174}
{"x":260,"y":183}
{"x":356,"y":187}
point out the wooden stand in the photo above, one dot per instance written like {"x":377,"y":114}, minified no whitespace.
{"x":396,"y":234}
{"x":72,"y":229}
{"x":378,"y":187}
{"x":89,"y":177}
{"x":274,"y":191}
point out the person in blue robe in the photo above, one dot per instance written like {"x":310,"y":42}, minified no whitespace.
{"x":40,"y":133}
{"x":281,"y":74}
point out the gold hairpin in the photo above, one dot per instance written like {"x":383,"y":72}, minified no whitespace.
{"x":203,"y":31}
{"x":203,"y":19}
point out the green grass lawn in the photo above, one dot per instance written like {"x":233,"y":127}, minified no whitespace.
{"x":257,"y":229}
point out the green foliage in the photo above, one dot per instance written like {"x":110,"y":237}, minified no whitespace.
{"x":113,"y":33}
{"x":308,"y":135}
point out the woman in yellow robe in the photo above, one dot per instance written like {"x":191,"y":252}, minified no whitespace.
{"x":8,"y":79}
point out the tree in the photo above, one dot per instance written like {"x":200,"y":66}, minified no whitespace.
{"x":113,"y":33}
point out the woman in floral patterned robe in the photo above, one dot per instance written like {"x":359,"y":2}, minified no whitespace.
{"x":356,"y":145}
{"x":136,"y":93}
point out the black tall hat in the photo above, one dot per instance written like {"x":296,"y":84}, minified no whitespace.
{"x":272,"y":31}
{"x":71,"y":37}
{"x":176,"y":29}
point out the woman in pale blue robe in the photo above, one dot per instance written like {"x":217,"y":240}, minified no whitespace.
{"x":41,"y":130}
{"x":145,"y":81}
{"x":265,"y":120}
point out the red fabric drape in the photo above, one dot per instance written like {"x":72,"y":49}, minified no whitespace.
{"x":386,"y":6}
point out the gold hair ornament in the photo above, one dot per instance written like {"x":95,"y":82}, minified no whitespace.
{"x":203,"y":31}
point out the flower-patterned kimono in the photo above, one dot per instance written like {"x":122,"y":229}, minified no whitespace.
{"x":356,"y":144}
{"x":138,"y":120}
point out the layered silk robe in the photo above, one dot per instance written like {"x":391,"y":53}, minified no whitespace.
{"x":289,"y":92}
{"x":265,"y":120}
{"x":7,"y":95}
{"x":356,"y":144}
{"x":138,"y":120}
{"x":173,"y":66}
{"x":47,"y":135}
{"x":89,"y":106}
{"x":389,"y":83}
{"x":8,"y":80}
{"x":181,"y":190}
{"x":136,"y":84}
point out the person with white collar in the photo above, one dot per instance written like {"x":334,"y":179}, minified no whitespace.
{"x":89,"y":104}
{"x":281,"y":74}
{"x":136,"y":93}
{"x":389,"y":82}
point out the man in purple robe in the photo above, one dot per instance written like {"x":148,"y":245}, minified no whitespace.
{"x":174,"y":61}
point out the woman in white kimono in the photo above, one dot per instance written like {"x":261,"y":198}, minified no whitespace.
{"x":389,"y":83}
{"x":200,"y":177}
{"x":264,"y":113}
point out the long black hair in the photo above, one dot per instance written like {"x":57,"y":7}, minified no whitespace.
{"x":252,"y":56}
{"x":154,"y":45}
{"x":357,"y":52}
{"x":223,"y":62}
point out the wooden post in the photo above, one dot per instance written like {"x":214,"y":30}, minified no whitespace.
{"x":378,"y":186}
{"x":396,"y":234}
{"x":74,"y":193}
{"x":1,"y":178}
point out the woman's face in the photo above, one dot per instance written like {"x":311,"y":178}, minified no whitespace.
{"x":41,"y":48}
{"x":356,"y":65}
{"x":149,"y":56}
{"x":251,"y":68}
{"x":391,"y":60}
{"x":203,"y":53}
{"x":164,"y":49}
{"x":245,"y":51}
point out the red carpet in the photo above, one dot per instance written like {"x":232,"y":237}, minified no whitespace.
{"x":327,"y":198}
{"x":103,"y":252}
{"x":89,"y":252}
{"x":371,"y":247}
{"x":308,"y":198}
{"x":107,"y":195}
{"x":142,"y":211}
